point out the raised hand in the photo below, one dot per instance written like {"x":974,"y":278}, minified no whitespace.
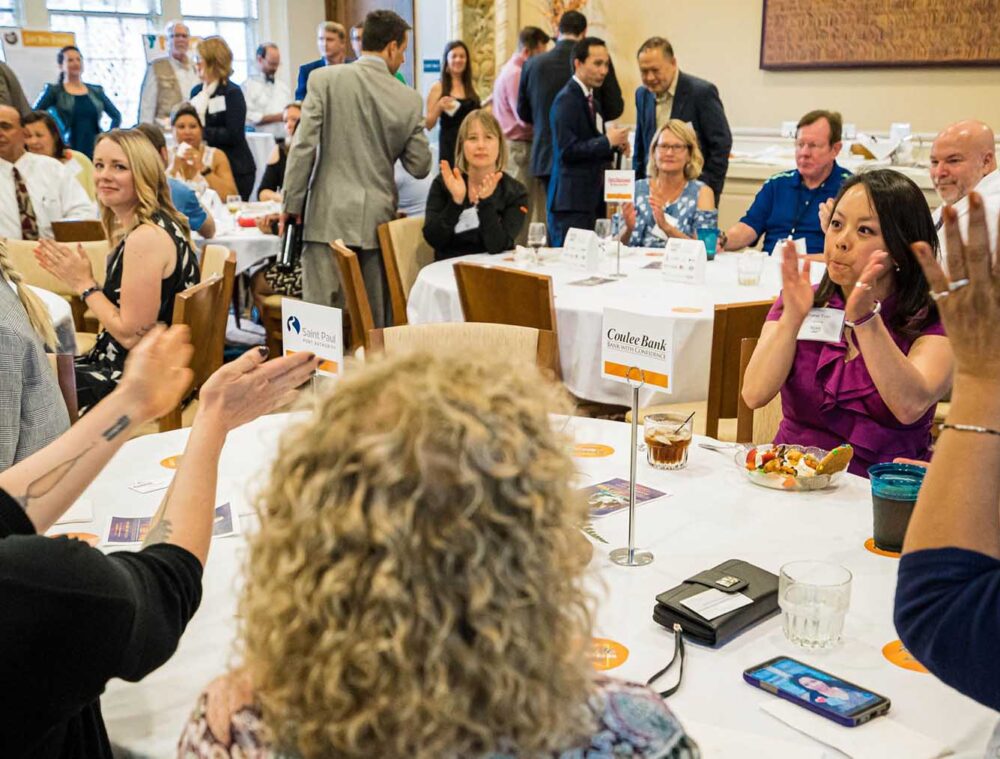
{"x":618,"y":137}
{"x":796,"y":286}
{"x":488,"y":185}
{"x":825,"y":214}
{"x":156,"y":373}
{"x":861,"y":301}
{"x":628,"y":213}
{"x":454,"y":182}
{"x":71,"y":266}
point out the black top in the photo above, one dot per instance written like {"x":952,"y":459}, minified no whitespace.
{"x":500,"y":218}
{"x":225,"y":129}
{"x":72,"y":619}
{"x":274,"y":173}
{"x":448,"y":133}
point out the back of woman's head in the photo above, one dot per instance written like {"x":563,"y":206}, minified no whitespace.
{"x":38,"y":315}
{"x":148,"y":179}
{"x":216,"y":57}
{"x":59,"y":146}
{"x":415,"y":585}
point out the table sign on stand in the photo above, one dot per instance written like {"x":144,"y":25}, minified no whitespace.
{"x":314,"y":328}
{"x":636,"y":350}
{"x":619,"y":187}
{"x":684,"y":261}
{"x":582,"y":248}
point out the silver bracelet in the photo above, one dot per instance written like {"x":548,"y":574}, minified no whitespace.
{"x":969,"y":428}
{"x":866,"y":318}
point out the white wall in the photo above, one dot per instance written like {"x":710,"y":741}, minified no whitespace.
{"x":431,"y":18}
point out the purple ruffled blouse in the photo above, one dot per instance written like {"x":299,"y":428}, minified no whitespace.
{"x":827,"y":400}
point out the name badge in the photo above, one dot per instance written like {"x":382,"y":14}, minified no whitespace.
{"x":468,"y":220}
{"x":824,"y":325}
{"x":217,"y":104}
{"x":800,"y":246}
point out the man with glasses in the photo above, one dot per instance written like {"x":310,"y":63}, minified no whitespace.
{"x":788,"y":204}
{"x":169,"y":80}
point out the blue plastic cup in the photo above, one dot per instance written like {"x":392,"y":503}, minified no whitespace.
{"x":894,"y":493}
{"x":709,"y":236}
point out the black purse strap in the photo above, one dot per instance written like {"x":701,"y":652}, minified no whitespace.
{"x":678,"y":652}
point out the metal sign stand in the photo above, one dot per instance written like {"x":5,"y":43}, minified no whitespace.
{"x":630,"y":557}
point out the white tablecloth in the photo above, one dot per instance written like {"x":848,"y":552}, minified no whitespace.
{"x":579,"y":310}
{"x":713,"y":513}
{"x":249,"y":243}
{"x":62,"y":318}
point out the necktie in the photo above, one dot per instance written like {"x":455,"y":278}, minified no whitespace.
{"x":25,"y":208}
{"x":269,"y":79}
{"x":590,"y":105}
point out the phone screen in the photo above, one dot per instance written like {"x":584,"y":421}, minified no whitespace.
{"x":816,"y":687}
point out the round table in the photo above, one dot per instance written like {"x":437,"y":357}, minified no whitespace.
{"x":711,"y":513}
{"x":62,"y":319}
{"x":250,"y":245}
{"x":579,"y":311}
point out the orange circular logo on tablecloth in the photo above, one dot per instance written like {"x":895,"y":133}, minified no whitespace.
{"x":686,"y":310}
{"x":171,"y":462}
{"x":592,"y":450}
{"x":607,"y":654}
{"x":870,"y":546}
{"x":87,"y":537}
{"x":896,"y":653}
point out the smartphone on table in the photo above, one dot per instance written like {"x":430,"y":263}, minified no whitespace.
{"x":818,"y":691}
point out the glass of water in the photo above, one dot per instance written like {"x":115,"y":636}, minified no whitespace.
{"x":749,"y":265}
{"x":814,"y":597}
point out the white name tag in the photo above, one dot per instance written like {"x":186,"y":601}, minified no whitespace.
{"x":714,"y":603}
{"x":824,"y":325}
{"x":217,"y":104}
{"x":468,"y":220}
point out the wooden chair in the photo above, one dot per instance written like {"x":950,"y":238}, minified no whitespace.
{"x":506,"y":296}
{"x":83,"y":230}
{"x":22,"y":256}
{"x":518,"y":343}
{"x":733,"y":322}
{"x":754,"y":425}
{"x":359,"y":310}
{"x":204,"y":308}
{"x":404,"y":253}
{"x":63,"y":367}
{"x":270,"y":317}
{"x":213,"y":261}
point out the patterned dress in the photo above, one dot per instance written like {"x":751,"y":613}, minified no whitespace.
{"x":685,"y":210}
{"x":98,"y":372}
{"x":632,"y":721}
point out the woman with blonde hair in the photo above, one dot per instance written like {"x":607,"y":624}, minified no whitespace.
{"x":475,"y":207}
{"x":152,"y":261}
{"x":222,"y":108}
{"x":672,"y":202}
{"x":416,"y":585}
{"x":33,"y":413}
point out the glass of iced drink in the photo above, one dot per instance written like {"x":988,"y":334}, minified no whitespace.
{"x":667,"y":436}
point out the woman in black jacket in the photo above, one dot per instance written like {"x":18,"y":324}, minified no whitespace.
{"x":475,"y":207}
{"x":223,"y":110}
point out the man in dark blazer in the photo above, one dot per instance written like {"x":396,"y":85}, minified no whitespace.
{"x":541,"y":79}
{"x":582,"y":148}
{"x":668,"y":93}
{"x":331,"y":39}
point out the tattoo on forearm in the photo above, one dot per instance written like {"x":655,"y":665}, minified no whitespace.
{"x":117,"y":428}
{"x":158,"y":533}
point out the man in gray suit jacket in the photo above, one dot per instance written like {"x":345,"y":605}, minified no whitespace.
{"x":356,"y":121}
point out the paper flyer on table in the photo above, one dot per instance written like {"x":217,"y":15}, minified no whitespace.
{"x":612,"y":495}
{"x":636,"y":346}
{"x":130,"y":530}
{"x":314,"y":328}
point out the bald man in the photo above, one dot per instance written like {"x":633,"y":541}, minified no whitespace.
{"x":963,"y":159}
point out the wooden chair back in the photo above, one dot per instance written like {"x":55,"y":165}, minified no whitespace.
{"x":359,"y":310}
{"x":204,"y":308}
{"x":404,"y":252}
{"x":270,"y":317}
{"x":760,"y":425}
{"x":518,"y":343}
{"x":733,"y":322}
{"x":74,"y":230}
{"x":213,"y":261}
{"x":65,"y":371}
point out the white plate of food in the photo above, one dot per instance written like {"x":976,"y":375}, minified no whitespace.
{"x":793,"y":467}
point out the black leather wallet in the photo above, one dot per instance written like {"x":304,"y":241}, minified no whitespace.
{"x":733,"y":576}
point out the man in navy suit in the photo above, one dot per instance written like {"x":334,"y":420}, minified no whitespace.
{"x":541,"y":79}
{"x":581,"y":146}
{"x":331,"y":39}
{"x":668,"y":93}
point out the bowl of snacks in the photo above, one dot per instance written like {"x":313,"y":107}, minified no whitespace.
{"x":794,"y":467}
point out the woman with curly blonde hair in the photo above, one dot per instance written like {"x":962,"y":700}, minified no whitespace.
{"x":416,"y":585}
{"x":152,"y":261}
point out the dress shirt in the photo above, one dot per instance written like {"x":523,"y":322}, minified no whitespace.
{"x":505,"y":99}
{"x":187,"y":78}
{"x":55,"y":194}
{"x":263,"y":98}
{"x":665,"y":102}
{"x":989,"y":189}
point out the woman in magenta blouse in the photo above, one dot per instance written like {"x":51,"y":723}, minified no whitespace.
{"x":877,"y":386}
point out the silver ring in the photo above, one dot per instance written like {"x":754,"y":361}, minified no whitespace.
{"x":863,"y":285}
{"x":958,"y":284}
{"x":938,"y":296}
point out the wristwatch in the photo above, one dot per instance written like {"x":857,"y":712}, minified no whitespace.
{"x":88,"y":292}
{"x":206,"y":171}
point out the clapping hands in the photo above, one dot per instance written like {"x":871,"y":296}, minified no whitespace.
{"x":454,"y":182}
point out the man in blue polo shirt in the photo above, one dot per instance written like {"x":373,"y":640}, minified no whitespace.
{"x":788,"y":203}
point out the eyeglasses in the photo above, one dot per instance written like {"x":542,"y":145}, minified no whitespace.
{"x":810,"y":146}
{"x":672,"y":148}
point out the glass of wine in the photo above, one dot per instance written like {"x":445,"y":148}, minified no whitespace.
{"x":536,"y":237}
{"x":233,"y":203}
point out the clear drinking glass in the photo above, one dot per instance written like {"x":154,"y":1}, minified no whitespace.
{"x":602,"y":228}
{"x":536,"y":237}
{"x":233,"y":203}
{"x":667,"y":437}
{"x":749,"y":266}
{"x":814,"y":597}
